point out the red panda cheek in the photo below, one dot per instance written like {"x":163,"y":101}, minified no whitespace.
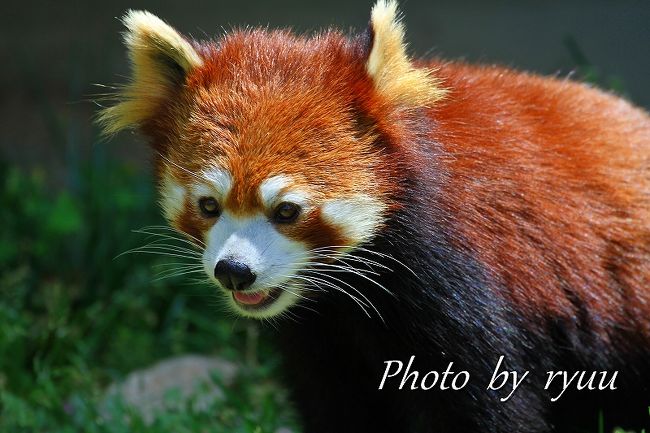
{"x":179,"y":208}
{"x":190,"y":223}
{"x":172,"y":196}
{"x":314,"y":232}
{"x":341,"y":223}
{"x":357,"y":218}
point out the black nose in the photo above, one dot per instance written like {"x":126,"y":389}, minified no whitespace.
{"x":233,"y":275}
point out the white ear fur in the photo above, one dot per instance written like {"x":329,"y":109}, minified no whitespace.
{"x":160,"y":57}
{"x":389,"y":66}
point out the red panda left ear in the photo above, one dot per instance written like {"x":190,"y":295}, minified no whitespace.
{"x":394,"y":75}
{"x":160,"y":60}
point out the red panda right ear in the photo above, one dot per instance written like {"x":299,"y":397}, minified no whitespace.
{"x":394,"y":75}
{"x":160,"y":60}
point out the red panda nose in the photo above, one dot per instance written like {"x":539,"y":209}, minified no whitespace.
{"x":234,"y":275}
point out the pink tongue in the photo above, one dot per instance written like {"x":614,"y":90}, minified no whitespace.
{"x":249,"y":298}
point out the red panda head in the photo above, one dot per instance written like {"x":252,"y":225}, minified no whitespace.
{"x":272,"y":148}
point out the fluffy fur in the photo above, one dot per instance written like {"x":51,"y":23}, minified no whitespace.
{"x":499,"y":212}
{"x":394,"y":75}
{"x":160,"y":59}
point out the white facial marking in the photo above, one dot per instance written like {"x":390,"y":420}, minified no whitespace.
{"x":219,"y":183}
{"x":358,"y":216}
{"x":272,"y":187}
{"x":172,"y":196}
{"x":270,"y":255}
{"x":272,"y":192}
{"x":297,"y":197}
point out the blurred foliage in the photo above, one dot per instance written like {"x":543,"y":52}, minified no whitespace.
{"x":74,"y":318}
{"x":589,"y":72}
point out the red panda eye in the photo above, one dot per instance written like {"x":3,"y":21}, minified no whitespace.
{"x":209,"y":207}
{"x":286,"y":213}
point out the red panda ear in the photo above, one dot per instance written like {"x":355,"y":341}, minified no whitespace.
{"x":160,"y":60}
{"x":394,"y":75}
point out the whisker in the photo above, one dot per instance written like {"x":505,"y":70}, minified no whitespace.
{"x":285,"y":288}
{"x":156,"y":253}
{"x":178,"y":166}
{"x":179,"y":274}
{"x":179,"y":271}
{"x":387,"y":256}
{"x":366,"y":250}
{"x":340,"y":268}
{"x":162,"y":250}
{"x":169,"y":237}
{"x":181,"y":264}
{"x":351,"y":257}
{"x":364,"y":276}
{"x":365,"y":298}
{"x":347,"y":269}
{"x":313,"y":280}
{"x":169,"y":247}
{"x":172,"y":232}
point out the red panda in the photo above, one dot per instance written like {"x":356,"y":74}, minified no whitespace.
{"x":396,"y":208}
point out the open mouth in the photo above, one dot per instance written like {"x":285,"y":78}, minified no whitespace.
{"x":257,"y":300}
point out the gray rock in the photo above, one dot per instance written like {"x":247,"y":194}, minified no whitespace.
{"x":145,"y":389}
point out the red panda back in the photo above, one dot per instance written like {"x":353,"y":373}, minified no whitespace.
{"x":550,"y":183}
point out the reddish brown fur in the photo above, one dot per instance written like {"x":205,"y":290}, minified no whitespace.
{"x":547,"y":178}
{"x":551,"y":187}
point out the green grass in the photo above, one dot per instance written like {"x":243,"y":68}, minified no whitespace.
{"x":74,"y":319}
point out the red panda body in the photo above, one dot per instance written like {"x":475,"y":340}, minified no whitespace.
{"x":541,"y":253}
{"x":549,"y":181}
{"x":470,"y":213}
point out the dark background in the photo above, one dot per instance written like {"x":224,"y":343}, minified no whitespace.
{"x":54,"y":52}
